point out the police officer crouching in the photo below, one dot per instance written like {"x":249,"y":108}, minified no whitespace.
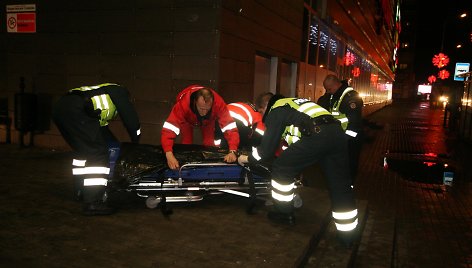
{"x":321,"y":139}
{"x":82,"y":117}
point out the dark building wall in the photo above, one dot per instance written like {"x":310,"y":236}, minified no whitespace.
{"x":271,"y":28}
{"x":155,"y":48}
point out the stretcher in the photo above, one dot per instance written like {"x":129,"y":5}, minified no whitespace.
{"x":142,"y":169}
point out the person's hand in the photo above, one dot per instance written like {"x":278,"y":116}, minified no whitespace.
{"x":172,"y":161}
{"x":230,"y":157}
{"x":243,"y":159}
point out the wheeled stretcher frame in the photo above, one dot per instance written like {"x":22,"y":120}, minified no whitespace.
{"x":194,"y":180}
{"x":182,"y":186}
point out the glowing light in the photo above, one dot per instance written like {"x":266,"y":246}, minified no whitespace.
{"x":443,"y":74}
{"x":356,"y":71}
{"x":350,"y":58}
{"x":432,"y":79}
{"x":440,"y":60}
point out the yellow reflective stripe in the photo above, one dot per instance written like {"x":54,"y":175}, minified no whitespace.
{"x":95,"y":182}
{"x":346,"y":227}
{"x":97,"y":102}
{"x":217,"y":142}
{"x":248,"y":113}
{"x":78,"y":163}
{"x":255,"y":154}
{"x":306,"y":106}
{"x":345,"y":215}
{"x":314,"y":111}
{"x":90,"y":170}
{"x":229,"y":127}
{"x":335,"y":113}
{"x":239,"y":117}
{"x":172,"y":128}
{"x":281,"y":197}
{"x":343,"y":120}
{"x":282,"y":187}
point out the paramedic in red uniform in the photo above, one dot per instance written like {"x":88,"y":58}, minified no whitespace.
{"x":198,"y":106}
{"x":249,"y":123}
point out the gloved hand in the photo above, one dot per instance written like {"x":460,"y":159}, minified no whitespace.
{"x":243,"y":159}
{"x":306,"y":127}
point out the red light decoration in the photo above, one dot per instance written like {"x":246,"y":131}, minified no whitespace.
{"x":440,"y":60}
{"x":356,"y":71}
{"x":432,"y":79}
{"x":374,"y":78}
{"x":349,"y":58}
{"x":443,"y":74}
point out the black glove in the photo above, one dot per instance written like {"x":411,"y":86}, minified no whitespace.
{"x":306,"y":127}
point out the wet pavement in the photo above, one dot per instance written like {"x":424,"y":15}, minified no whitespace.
{"x":408,"y":217}
{"x":414,"y":220}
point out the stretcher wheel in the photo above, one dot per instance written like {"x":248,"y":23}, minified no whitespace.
{"x":152,"y":201}
{"x":297,"y":201}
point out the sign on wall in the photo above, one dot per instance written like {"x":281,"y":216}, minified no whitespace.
{"x":21,"y":18}
{"x":461,"y":67}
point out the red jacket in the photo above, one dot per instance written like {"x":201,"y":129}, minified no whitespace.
{"x":182,"y":119}
{"x":247,"y":115}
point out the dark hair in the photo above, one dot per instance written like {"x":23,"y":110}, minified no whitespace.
{"x":263,"y":99}
{"x":271,"y":103}
{"x":202,"y":92}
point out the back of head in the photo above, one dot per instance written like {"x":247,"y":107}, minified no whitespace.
{"x":262,"y":100}
{"x":271,"y":103}
{"x":331,"y":78}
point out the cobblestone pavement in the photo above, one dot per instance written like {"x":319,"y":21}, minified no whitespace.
{"x":412,"y":221}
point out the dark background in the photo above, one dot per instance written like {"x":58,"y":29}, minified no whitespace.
{"x":430,"y":20}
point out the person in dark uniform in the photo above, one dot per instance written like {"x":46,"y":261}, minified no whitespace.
{"x":345,"y":104}
{"x":322,"y":141}
{"x":82,"y":117}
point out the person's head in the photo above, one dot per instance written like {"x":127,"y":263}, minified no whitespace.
{"x":202,"y":101}
{"x":331,"y":83}
{"x":262,"y":100}
{"x":270,"y":103}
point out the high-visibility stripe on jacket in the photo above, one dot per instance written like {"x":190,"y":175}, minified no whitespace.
{"x":303,"y":106}
{"x":101,"y":102}
{"x":247,"y":115}
{"x":292,"y":133}
{"x":337,"y":113}
{"x":182,"y":120}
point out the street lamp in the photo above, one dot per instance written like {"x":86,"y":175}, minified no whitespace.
{"x":461,"y":16}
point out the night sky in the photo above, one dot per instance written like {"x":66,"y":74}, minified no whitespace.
{"x":429,"y":21}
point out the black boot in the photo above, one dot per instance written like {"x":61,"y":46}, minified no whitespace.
{"x":78,"y":190}
{"x":97,"y":208}
{"x":347,"y":239}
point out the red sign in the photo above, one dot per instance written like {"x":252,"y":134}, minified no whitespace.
{"x":21,"y":22}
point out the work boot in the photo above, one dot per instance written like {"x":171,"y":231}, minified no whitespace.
{"x":281,"y":218}
{"x":97,"y":208}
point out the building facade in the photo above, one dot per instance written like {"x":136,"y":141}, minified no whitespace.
{"x":240,"y":48}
